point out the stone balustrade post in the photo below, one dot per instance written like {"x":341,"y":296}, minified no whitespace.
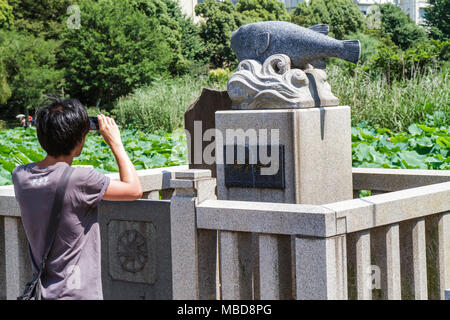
{"x":193,"y":251}
{"x":17,"y":263}
{"x":321,"y":268}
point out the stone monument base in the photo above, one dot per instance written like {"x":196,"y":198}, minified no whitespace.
{"x":316,"y":163}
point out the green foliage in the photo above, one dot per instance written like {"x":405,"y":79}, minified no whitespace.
{"x":19,"y":146}
{"x":343,"y":16}
{"x":117,"y":48}
{"x":221,"y":19}
{"x":160,"y":106}
{"x":180,"y":33}
{"x":43,"y":18}
{"x":146,"y":151}
{"x":263,"y":10}
{"x":6,"y":14}
{"x":310,"y":13}
{"x":192,"y":45}
{"x":399,"y":27}
{"x":219,"y":76}
{"x":394,"y":63}
{"x":29,"y":65}
{"x":422,"y":147}
{"x":5,"y":89}
{"x":437,"y":17}
{"x":394,"y":104}
{"x":369,"y":45}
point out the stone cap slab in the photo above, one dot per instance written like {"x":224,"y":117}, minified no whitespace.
{"x":396,"y":179}
{"x":393,"y":207}
{"x":266,"y":217}
{"x":193,"y":174}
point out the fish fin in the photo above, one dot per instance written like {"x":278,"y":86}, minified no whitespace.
{"x":352,"y":50}
{"x":319,"y":64}
{"x":320,"y":28}
{"x":261,"y":42}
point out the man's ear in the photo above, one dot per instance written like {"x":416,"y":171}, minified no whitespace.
{"x":79,"y":147}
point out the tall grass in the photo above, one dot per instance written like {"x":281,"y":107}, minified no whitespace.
{"x":160,"y":106}
{"x":396,"y":104}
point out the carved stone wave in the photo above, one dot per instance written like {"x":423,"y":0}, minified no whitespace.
{"x":274,"y":85}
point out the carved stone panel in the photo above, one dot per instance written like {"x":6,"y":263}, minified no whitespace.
{"x":132,"y":251}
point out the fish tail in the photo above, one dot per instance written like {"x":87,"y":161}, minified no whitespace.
{"x":352,"y":50}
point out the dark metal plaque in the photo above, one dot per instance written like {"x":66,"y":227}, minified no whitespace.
{"x":245,"y":170}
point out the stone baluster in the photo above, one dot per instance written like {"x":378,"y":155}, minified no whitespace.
{"x":193,"y":251}
{"x":17,"y":263}
{"x":385,"y":245}
{"x":363,"y":266}
{"x":321,"y":268}
{"x":444,"y":255}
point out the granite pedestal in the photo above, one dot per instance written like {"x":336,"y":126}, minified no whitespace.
{"x":317,"y":154}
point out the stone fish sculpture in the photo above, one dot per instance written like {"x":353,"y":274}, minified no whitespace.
{"x":260,"y":40}
{"x":278,"y":62}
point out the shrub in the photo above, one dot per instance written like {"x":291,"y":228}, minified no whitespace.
{"x":219,"y":76}
{"x":117,"y":48}
{"x":394,"y":63}
{"x":343,"y":16}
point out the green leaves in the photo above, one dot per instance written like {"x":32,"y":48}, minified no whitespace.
{"x":146,"y":151}
{"x":423,"y":147}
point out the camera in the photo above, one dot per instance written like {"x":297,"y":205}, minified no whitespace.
{"x":94,"y":123}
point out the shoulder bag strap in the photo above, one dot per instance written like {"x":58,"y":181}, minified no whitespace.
{"x":56,"y":213}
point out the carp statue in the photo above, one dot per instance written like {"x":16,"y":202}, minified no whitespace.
{"x":280,"y":65}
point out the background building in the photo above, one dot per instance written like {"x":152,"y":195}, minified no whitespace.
{"x":414,"y":8}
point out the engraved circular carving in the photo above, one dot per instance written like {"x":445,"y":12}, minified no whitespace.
{"x":132,"y":251}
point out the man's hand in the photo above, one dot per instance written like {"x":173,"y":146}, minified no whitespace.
{"x":109,"y":130}
{"x":129,"y":187}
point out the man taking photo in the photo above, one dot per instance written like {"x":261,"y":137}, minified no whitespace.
{"x":72,"y":269}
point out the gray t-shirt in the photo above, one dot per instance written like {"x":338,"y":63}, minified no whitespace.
{"x":73,"y":269}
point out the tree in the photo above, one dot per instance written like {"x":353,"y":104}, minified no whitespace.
{"x":118,"y":48}
{"x":192,"y":45}
{"x":263,"y":10}
{"x":6,"y":14}
{"x":221,"y":19}
{"x":437,"y":17}
{"x":399,"y":27}
{"x":43,"y":18}
{"x":30,"y":70}
{"x":343,"y":16}
{"x":5,"y":89}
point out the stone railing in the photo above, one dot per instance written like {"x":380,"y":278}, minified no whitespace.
{"x":115,"y":219}
{"x":390,"y":246}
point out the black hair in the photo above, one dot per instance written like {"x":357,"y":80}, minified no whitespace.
{"x":61,"y":126}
